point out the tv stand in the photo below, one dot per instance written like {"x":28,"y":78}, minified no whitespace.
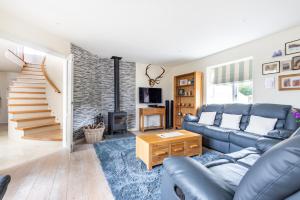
{"x":161,"y":111}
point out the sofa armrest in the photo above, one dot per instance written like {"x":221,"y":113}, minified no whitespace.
{"x":186,"y":178}
{"x":191,"y":118}
{"x":4,"y":181}
{"x":264,"y":143}
{"x":279,"y":134}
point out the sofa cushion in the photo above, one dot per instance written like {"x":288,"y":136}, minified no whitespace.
{"x":239,"y":109}
{"x":291,"y":123}
{"x":249,"y":160}
{"x":193,"y":126}
{"x":213,"y":108}
{"x":207,"y":118}
{"x":243,"y":139}
{"x":231,"y":121}
{"x":279,"y":134}
{"x":216,"y":133}
{"x":264,"y":144}
{"x":278,"y":171}
{"x":231,"y":173}
{"x":277,"y":111}
{"x":261,"y":125}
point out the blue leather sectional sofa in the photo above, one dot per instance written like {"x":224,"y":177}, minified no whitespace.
{"x":226,"y":140}
{"x":258,"y":167}
{"x":4,"y":181}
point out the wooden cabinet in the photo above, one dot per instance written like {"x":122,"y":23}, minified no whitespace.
{"x":152,"y":111}
{"x":188,"y":96}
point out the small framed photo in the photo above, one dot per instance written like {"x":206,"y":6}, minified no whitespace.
{"x":289,"y":82}
{"x":285,"y":65}
{"x":183,"y":82}
{"x":296,"y":63}
{"x":271,"y":68}
{"x":292,"y":47}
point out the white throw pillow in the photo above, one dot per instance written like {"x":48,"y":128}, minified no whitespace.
{"x":260,"y":125}
{"x":207,"y":118}
{"x":231,"y":121}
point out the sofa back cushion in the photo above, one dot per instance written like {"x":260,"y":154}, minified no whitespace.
{"x":277,"y":111}
{"x":275,"y":175}
{"x":291,"y":122}
{"x":218,"y":108}
{"x":239,"y":109}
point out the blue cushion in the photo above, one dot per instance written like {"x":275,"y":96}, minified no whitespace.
{"x":239,"y":109}
{"x":277,"y":111}
{"x":216,"y":133}
{"x":243,"y":139}
{"x":213,"y":108}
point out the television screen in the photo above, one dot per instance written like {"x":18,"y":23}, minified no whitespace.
{"x":150,"y":95}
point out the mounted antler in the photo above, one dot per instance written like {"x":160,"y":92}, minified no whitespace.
{"x":152,"y":82}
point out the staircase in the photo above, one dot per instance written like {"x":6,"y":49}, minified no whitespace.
{"x":28,"y":111}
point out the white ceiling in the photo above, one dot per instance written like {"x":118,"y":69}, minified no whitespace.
{"x":157,"y":31}
{"x":5,"y":64}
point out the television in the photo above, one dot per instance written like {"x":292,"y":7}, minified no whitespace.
{"x":150,"y":95}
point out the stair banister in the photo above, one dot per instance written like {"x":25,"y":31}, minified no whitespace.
{"x":47,"y":77}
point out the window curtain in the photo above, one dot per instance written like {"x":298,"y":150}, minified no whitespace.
{"x":238,"y":71}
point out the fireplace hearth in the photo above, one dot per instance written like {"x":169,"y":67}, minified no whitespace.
{"x":117,"y":120}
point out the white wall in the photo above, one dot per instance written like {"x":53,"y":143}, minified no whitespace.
{"x":262,"y":51}
{"x":142,"y":81}
{"x":5,"y":80}
{"x":54,"y":68}
{"x":17,"y":30}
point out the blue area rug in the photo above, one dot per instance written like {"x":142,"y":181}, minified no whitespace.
{"x":128,"y":177}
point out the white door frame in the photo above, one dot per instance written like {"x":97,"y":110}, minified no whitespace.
{"x":68,"y":104}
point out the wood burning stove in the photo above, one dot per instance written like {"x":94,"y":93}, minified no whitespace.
{"x":117,"y":120}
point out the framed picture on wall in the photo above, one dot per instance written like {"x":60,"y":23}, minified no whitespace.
{"x":289,"y":82}
{"x":292,"y":47}
{"x":271,"y":68}
{"x":285,"y":65}
{"x":296,"y":63}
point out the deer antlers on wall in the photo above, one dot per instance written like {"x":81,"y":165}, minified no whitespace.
{"x":152,"y":82}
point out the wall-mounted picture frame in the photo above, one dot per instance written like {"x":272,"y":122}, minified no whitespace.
{"x":183,"y":82}
{"x":296,"y":63}
{"x":292,"y":47}
{"x":285,"y":65}
{"x":289,"y":82}
{"x":271,"y":68}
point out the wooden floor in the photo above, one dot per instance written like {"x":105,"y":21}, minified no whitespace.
{"x":55,"y":135}
{"x":60,"y":176}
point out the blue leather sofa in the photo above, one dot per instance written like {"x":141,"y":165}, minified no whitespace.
{"x":268,"y":171}
{"x":4,"y":181}
{"x":227,"y":140}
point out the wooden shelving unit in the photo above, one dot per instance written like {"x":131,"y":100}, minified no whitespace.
{"x":188,"y":97}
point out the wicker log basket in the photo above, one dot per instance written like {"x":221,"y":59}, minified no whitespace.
{"x":94,"y":133}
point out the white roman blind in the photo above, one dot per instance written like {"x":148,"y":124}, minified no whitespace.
{"x":236,"y":71}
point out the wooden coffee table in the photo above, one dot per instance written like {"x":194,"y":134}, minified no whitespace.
{"x":152,"y":149}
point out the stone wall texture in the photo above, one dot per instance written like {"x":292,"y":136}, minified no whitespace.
{"x":93,"y":91}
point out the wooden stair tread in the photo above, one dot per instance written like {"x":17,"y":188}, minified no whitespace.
{"x":28,"y":111}
{"x":38,"y":126}
{"x":31,"y":87}
{"x":45,"y":136}
{"x":29,"y":74}
{"x":31,"y":119}
{"x":28,"y":104}
{"x":31,"y":78}
{"x":31,"y":69}
{"x":27,"y":92}
{"x":26,"y":98}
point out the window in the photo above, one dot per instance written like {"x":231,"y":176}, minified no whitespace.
{"x":236,"y":92}
{"x":231,"y":83}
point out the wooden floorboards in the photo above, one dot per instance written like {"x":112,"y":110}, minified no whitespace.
{"x":60,"y":175}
